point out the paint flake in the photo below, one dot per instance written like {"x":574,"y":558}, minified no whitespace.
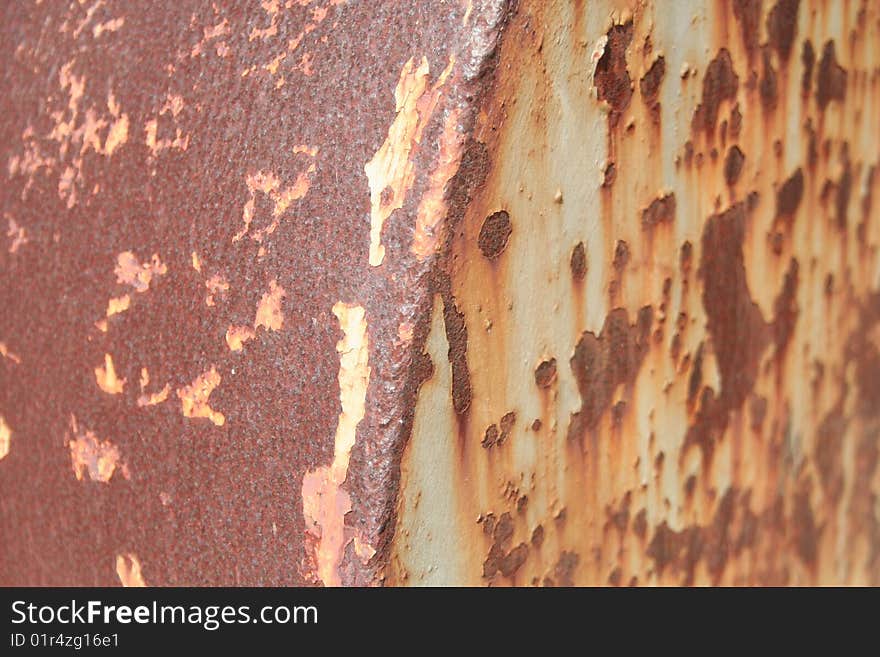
{"x":325,"y":503}
{"x":194,"y":398}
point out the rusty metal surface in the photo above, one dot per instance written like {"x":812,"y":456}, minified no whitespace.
{"x":656,"y":346}
{"x":464,"y":292}
{"x":206,"y":364}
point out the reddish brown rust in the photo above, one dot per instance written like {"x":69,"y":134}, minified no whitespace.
{"x":494,"y":234}
{"x":612,"y":78}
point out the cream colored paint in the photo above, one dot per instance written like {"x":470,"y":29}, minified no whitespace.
{"x":324,"y":501}
{"x":555,"y":139}
{"x":429,"y":546}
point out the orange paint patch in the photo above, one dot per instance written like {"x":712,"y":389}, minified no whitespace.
{"x":128,"y":568}
{"x":194,"y":398}
{"x":405,"y":332}
{"x":107,"y":379}
{"x":391,"y":171}
{"x":94,"y":457}
{"x":217,"y":286}
{"x":6,"y":353}
{"x":17,"y":234}
{"x":109,"y":26}
{"x":118,"y":305}
{"x":118,"y":134}
{"x":325,"y":503}
{"x":135,"y":274}
{"x":268,"y":316}
{"x":196,"y":262}
{"x":271,"y":8}
{"x":151,"y":399}
{"x":236,"y":336}
{"x":432,"y":208}
{"x":269,"y":313}
{"x":5,"y":437}
{"x":268,"y":183}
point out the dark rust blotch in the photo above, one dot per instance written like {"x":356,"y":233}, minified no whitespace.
{"x":782,"y":26}
{"x":720,"y":83}
{"x":578,"y":262}
{"x":612,"y":80}
{"x":733,"y":165}
{"x":545,"y":373}
{"x":831,"y":78}
{"x":494,"y":234}
{"x":660,"y":211}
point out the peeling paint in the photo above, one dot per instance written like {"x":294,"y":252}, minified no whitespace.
{"x":90,"y":456}
{"x":5,"y":438}
{"x":128,"y":569}
{"x":106,"y":377}
{"x":129,"y":271}
{"x":325,"y":502}
{"x":390,"y":172}
{"x":194,"y":398}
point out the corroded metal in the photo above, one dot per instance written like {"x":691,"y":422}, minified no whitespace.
{"x":467,"y":292}
{"x":205,"y":365}
{"x":665,"y":369}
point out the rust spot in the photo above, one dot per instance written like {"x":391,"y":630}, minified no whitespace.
{"x":686,"y":256}
{"x":601,"y":363}
{"x":545,"y":373}
{"x":621,"y":255}
{"x":640,"y":523}
{"x":611,"y":78}
{"x":615,"y":577}
{"x":537,"y":536}
{"x":494,"y":234}
{"x":738,"y":330}
{"x":695,"y":381}
{"x":720,"y":83}
{"x":768,"y":87}
{"x":565,"y":567}
{"x":500,"y":559}
{"x":842,"y":192}
{"x":748,"y":14}
{"x":609,"y":175}
{"x":578,"y":262}
{"x":831,"y":80}
{"x":733,"y":164}
{"x":456,"y":335}
{"x":757,"y":412}
{"x":808,"y":60}
{"x":660,"y":210}
{"x":806,"y":532}
{"x":782,"y":25}
{"x":789,"y":196}
{"x":649,"y":85}
{"x":785,"y":308}
{"x":736,"y":119}
{"x":494,"y":436}
{"x":828,"y":454}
